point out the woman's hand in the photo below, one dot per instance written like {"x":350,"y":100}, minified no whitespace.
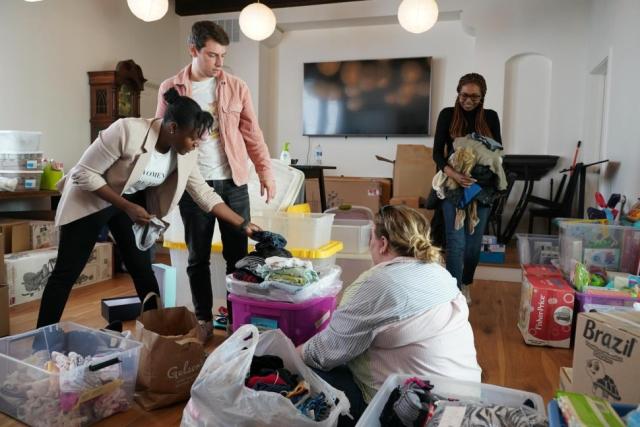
{"x":462,"y":179}
{"x":251,"y":228}
{"x":138,"y":214}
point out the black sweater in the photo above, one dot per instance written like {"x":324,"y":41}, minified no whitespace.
{"x":442,"y":138}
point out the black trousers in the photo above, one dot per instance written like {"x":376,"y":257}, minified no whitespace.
{"x":77,"y":240}
{"x":198,"y":232}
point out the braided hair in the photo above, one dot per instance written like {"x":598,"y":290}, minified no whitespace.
{"x":459,"y":123}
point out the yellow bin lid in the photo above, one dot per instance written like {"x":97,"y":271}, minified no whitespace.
{"x":326,"y":251}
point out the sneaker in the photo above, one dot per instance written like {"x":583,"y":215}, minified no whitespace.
{"x":205,"y":330}
{"x":466,"y":291}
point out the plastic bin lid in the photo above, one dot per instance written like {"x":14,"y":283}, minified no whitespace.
{"x":326,"y":251}
{"x":351,"y":212}
{"x":288,"y":184}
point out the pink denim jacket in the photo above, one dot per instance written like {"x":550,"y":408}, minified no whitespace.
{"x":239,"y":129}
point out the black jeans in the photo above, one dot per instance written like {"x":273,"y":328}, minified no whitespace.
{"x":198,"y":232}
{"x":77,"y":240}
{"x":341,"y":378}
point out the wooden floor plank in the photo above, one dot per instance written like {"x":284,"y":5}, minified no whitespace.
{"x":502,"y":354}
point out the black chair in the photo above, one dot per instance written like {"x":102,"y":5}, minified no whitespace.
{"x":562,"y":203}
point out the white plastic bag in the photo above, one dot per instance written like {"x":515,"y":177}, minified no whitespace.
{"x":220,"y":398}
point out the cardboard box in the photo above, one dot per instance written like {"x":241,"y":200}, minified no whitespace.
{"x":412,"y":202}
{"x":121,"y":308}
{"x":44,"y":234}
{"x":4,"y":310}
{"x":312,"y":194}
{"x":17,"y":235}
{"x":541,"y":270}
{"x":28,"y":272}
{"x":369,"y":192}
{"x":3,"y":275}
{"x":413,"y":170}
{"x":606,"y":356}
{"x":546,"y":311}
{"x":565,"y":382}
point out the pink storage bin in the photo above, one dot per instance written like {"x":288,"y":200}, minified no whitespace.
{"x":298,"y":321}
{"x":615,"y":301}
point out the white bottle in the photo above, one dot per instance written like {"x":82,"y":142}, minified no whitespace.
{"x":317,"y":154}
{"x":285,"y":156}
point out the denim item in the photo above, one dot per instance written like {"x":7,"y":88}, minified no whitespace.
{"x":341,"y":378}
{"x":77,"y":240}
{"x":198,"y":232}
{"x":463,"y":249}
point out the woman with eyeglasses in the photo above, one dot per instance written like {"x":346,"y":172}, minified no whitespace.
{"x":405,"y":315}
{"x":468,"y":115}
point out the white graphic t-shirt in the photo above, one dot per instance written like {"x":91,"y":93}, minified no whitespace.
{"x":156,"y":172}
{"x":212,"y":159}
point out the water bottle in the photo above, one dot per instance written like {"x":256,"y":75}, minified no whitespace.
{"x":285,"y":156}
{"x":317,"y":154}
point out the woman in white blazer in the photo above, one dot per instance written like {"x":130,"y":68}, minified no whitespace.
{"x":135,"y":170}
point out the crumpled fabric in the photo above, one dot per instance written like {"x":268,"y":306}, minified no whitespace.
{"x":270,"y":244}
{"x":292,"y":271}
{"x":481,"y":415}
{"x":146,"y":235}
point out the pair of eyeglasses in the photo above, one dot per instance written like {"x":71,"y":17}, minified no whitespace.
{"x":465,"y":96}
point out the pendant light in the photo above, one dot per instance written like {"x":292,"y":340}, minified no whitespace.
{"x":417,"y":16}
{"x":148,"y":10}
{"x":257,"y":21}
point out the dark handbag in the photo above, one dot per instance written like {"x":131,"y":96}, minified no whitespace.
{"x":433,"y":201}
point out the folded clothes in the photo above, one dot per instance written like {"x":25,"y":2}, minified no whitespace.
{"x":290,"y":271}
{"x":270,"y":244}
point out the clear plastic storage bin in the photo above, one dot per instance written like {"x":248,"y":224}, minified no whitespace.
{"x":585,"y":300}
{"x":27,"y":180}
{"x":613,"y":247}
{"x":353,"y":233}
{"x":22,"y":161}
{"x":302,"y":230}
{"x":464,"y":390}
{"x":322,"y":258}
{"x":19,"y":141}
{"x":537,"y":248}
{"x":32,"y":393}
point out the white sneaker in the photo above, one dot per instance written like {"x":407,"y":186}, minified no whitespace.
{"x":466,"y":291}
{"x":205,"y":330}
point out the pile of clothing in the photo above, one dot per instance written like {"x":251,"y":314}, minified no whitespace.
{"x":480,"y":158}
{"x":75,"y":392}
{"x":271,"y":262}
{"x":267,"y":373}
{"x":413,"y":404}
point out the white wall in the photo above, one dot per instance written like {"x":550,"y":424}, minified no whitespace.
{"x":449,"y":46}
{"x":48,"y":47}
{"x":615,"y":35}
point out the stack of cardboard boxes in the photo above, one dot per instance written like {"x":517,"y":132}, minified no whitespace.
{"x":413,"y":172}
{"x":30,"y":255}
{"x":606,"y":357}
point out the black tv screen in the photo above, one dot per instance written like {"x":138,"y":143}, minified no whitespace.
{"x":381,"y":97}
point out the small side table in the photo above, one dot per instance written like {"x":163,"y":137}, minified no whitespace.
{"x":316,"y":171}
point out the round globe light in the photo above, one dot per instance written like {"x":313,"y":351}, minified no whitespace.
{"x":417,"y":16}
{"x":148,"y":10}
{"x":32,"y":1}
{"x":257,"y":21}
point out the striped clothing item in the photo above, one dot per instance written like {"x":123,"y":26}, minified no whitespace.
{"x":399,"y":317}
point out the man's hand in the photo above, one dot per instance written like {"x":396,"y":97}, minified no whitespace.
{"x":138,"y":214}
{"x":268,"y":187}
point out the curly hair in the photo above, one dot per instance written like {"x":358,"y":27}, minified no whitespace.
{"x":186,"y":113}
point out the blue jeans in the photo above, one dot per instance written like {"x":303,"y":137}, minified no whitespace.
{"x":198,"y":232}
{"x":463,"y":249}
{"x":341,"y":378}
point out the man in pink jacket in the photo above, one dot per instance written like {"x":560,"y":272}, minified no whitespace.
{"x":223,"y":157}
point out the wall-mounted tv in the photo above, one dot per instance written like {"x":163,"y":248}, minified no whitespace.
{"x":380,"y":97}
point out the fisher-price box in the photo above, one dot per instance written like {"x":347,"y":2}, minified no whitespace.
{"x":546,"y":311}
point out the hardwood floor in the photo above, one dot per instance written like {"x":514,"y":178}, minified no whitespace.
{"x":502,"y":354}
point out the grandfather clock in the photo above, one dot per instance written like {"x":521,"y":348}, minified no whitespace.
{"x":115,"y":94}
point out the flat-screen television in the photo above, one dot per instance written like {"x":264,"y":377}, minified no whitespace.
{"x":379,"y":97}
